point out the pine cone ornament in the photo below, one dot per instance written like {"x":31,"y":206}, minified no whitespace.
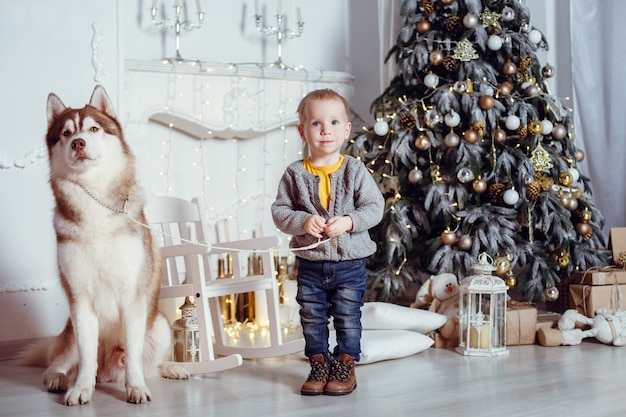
{"x":522,"y":132}
{"x":496,"y":191}
{"x":533,"y":190}
{"x":449,"y":63}
{"x":453,"y":24}
{"x":428,"y":7}
{"x":407,"y":121}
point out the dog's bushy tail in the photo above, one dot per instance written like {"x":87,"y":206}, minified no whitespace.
{"x":36,"y":353}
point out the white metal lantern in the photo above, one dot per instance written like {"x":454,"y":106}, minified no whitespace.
{"x":482,"y":312}
{"x":185,"y":334}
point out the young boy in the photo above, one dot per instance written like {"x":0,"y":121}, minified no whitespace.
{"x":327,"y":203}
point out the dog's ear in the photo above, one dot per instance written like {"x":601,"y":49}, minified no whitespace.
{"x":101,"y":101}
{"x":55,"y":107}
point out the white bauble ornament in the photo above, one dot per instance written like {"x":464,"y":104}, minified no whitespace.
{"x":381,"y":128}
{"x":494,"y":42}
{"x":508,"y":14}
{"x":512,"y":122}
{"x":465,"y":175}
{"x":575,"y":174}
{"x":547,"y":127}
{"x":431,"y":80}
{"x":534,"y":36}
{"x":432,"y":118}
{"x":452,"y":119}
{"x":510,"y":197}
{"x":460,"y":87}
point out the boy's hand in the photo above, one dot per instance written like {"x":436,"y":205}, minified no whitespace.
{"x":337,"y":225}
{"x":314,"y":225}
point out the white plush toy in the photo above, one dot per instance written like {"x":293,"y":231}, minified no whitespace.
{"x":440,"y":294}
{"x":606,"y":327}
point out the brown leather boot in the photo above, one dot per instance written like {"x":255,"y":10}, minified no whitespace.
{"x":342,"y":379}
{"x":318,"y":377}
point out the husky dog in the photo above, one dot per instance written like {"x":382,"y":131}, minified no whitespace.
{"x":109,"y":266}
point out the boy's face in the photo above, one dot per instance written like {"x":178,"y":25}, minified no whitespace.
{"x":325,"y":127}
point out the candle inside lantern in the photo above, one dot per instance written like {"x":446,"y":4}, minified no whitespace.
{"x":298,"y":14}
{"x":479,"y":340}
{"x":198,"y":6}
{"x":154,"y":4}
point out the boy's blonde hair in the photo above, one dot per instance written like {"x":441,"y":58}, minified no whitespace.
{"x":323,"y":94}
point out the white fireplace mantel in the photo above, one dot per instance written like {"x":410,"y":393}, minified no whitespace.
{"x":216,"y":100}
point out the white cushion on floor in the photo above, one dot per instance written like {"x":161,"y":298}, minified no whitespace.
{"x":386,"y":316}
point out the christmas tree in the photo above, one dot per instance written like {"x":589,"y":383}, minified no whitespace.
{"x":474,"y":154}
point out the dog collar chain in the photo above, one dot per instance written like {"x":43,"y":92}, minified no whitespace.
{"x":97,"y":200}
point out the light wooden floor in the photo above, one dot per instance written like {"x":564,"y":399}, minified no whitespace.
{"x":584,"y":380}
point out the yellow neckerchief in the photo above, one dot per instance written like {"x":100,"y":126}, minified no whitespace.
{"x":324,"y":173}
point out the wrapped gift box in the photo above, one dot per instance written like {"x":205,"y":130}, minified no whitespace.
{"x":547,"y":320}
{"x":617,"y":242}
{"x":586,"y":299}
{"x":521,"y":324}
{"x":600,"y":276}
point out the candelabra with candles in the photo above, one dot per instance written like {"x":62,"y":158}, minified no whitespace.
{"x":177,"y":24}
{"x":280,"y":31}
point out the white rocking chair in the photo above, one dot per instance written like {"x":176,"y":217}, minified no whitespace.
{"x":177,"y":217}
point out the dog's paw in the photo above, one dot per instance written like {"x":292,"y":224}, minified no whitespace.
{"x":173,"y":371}
{"x":57,"y":382}
{"x":78,"y":395}
{"x":138,"y":395}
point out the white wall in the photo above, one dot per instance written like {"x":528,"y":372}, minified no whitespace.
{"x":66,"y":46}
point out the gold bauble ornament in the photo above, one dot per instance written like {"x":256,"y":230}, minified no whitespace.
{"x":465,"y":242}
{"x":535,"y":127}
{"x":499,"y":135}
{"x":563,"y":260}
{"x":470,"y":136}
{"x":422,"y":142}
{"x":531,"y":91}
{"x":502,"y":265}
{"x":505,"y":88}
{"x":580,"y":155}
{"x":510,"y":280}
{"x":436,"y":57}
{"x":486,"y":102}
{"x":547,"y":71}
{"x":479,"y":185}
{"x":448,"y":237}
{"x":583,"y":229}
{"x":509,"y":68}
{"x":565,"y":178}
{"x":551,"y":293}
{"x":585,"y":215}
{"x":423,"y":26}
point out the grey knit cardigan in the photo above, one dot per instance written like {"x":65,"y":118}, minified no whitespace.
{"x":353,"y":193}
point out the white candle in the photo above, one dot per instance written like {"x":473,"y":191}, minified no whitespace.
{"x":198,"y":6}
{"x":154,"y":4}
{"x":280,"y":6}
{"x":256,"y":7}
{"x":177,"y":3}
{"x":298,"y":14}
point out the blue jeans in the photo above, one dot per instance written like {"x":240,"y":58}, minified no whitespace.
{"x":334,"y":289}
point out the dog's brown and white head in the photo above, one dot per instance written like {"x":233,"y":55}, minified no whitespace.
{"x":83,"y":142}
